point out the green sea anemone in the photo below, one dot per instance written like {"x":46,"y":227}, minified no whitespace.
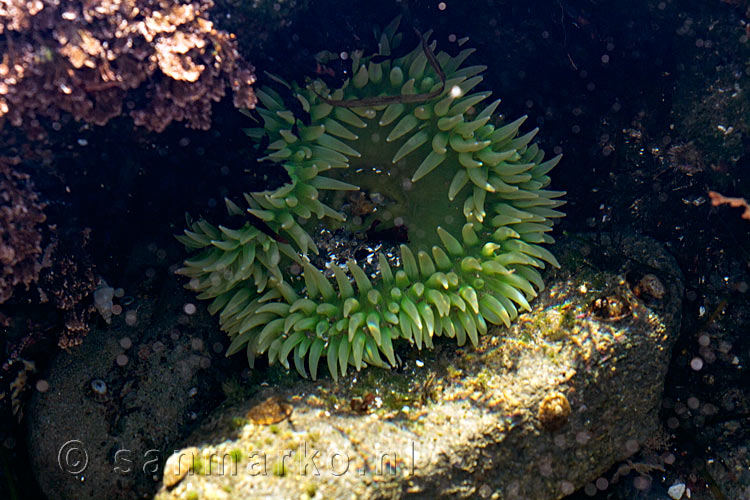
{"x":424,"y":156}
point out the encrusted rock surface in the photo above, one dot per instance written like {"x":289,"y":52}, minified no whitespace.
{"x":21,"y":216}
{"x":535,"y":412}
{"x":88,"y":58}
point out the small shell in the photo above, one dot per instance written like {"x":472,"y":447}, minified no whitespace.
{"x":98,"y":390}
{"x":610,"y":308}
{"x":272,"y":410}
{"x":98,"y":386}
{"x":362,"y":404}
{"x":103,"y":300}
{"x":650,"y":287}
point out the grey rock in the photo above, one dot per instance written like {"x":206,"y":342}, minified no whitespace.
{"x":536,"y":411}
{"x":104,"y":429}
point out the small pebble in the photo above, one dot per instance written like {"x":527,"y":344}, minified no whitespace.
{"x":676,"y":491}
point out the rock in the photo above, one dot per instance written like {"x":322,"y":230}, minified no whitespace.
{"x":676,"y":491}
{"x":116,"y":404}
{"x":536,"y":411}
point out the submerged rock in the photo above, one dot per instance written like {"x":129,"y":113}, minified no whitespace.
{"x":536,"y":412}
{"x":115,"y":405}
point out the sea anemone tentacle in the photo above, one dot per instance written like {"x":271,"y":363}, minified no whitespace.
{"x":467,"y":190}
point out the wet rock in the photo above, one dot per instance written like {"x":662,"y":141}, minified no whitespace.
{"x":710,"y":115}
{"x":536,"y":411}
{"x":115,"y":405}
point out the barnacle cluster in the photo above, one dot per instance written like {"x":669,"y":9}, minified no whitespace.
{"x":87,"y":58}
{"x":410,"y":133}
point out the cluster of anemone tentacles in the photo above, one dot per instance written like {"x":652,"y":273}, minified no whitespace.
{"x":468,"y":189}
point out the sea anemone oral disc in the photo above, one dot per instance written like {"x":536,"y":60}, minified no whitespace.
{"x":467,"y":191}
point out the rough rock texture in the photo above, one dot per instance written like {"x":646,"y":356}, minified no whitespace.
{"x":68,"y":282}
{"x":56,"y":311}
{"x":135,"y":386}
{"x":88,"y":58}
{"x":710,"y":106}
{"x":21,"y":216}
{"x":535,"y":412}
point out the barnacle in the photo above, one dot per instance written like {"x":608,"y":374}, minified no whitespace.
{"x":554,"y":411}
{"x":467,"y":187}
